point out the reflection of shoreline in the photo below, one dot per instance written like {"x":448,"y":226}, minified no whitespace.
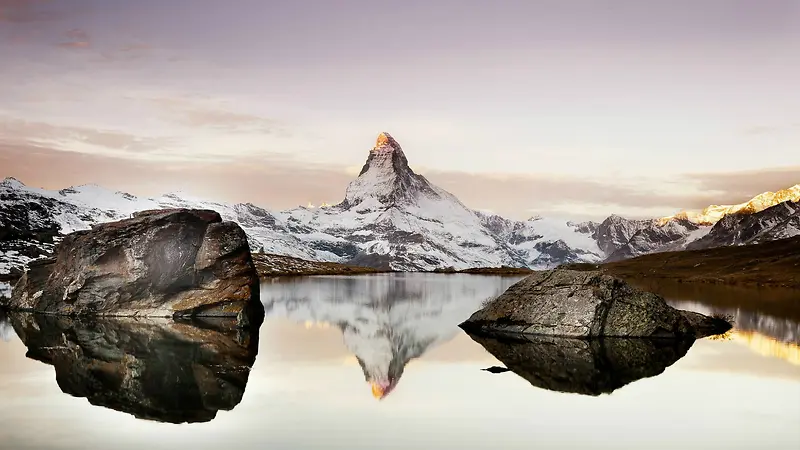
{"x":782,"y":330}
{"x":387,"y":320}
{"x":775,"y":302}
{"x":766,"y":335}
{"x":767,"y":346}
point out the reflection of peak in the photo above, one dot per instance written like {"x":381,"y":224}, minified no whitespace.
{"x":383,"y":356}
{"x":386,"y":320}
{"x":155,"y":370}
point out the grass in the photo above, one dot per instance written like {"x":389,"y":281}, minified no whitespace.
{"x":772,"y":264}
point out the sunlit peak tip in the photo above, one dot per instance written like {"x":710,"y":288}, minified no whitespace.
{"x":385,"y":139}
{"x":378,"y":391}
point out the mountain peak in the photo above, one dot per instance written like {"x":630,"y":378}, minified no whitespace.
{"x":386,"y":140}
{"x":386,"y":177}
{"x":12,"y":182}
{"x":714,"y":213}
{"x":387,"y":156}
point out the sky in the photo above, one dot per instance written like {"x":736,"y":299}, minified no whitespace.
{"x":564,"y":108}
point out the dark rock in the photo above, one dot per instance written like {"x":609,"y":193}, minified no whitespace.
{"x":553,"y":253}
{"x":165,"y":263}
{"x":496,"y":369}
{"x":585,"y":304}
{"x":656,"y":237}
{"x":584,"y":366}
{"x":614,"y":232}
{"x":154,"y":369}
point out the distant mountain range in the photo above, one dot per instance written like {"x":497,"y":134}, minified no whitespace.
{"x":394,"y":218}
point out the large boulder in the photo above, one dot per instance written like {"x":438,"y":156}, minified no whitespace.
{"x":155,"y":369}
{"x":586,"y":304}
{"x":165,"y":263}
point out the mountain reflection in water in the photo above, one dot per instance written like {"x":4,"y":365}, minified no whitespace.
{"x":386,"y":320}
{"x":153,"y":369}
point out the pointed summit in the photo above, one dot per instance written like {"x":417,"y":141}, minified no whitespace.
{"x":386,"y":140}
{"x":386,"y":177}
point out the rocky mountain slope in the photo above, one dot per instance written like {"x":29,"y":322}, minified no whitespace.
{"x":768,"y":216}
{"x":777,"y":222}
{"x":390,"y":218}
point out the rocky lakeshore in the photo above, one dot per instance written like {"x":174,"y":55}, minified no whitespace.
{"x":178,"y":263}
{"x":586,"y":304}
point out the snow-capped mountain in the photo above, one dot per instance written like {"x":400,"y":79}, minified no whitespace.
{"x":777,"y":222}
{"x":768,"y":216}
{"x":390,"y":217}
{"x":386,"y":320}
{"x":399,"y":220}
{"x":714,"y":213}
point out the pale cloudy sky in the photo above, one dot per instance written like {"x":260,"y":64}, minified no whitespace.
{"x":575,"y":108}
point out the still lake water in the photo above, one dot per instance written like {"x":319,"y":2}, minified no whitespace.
{"x":377,"y":361}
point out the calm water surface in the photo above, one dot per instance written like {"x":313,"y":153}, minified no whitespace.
{"x":374,"y":362}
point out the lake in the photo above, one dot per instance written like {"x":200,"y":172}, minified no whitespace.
{"x":378,"y":362}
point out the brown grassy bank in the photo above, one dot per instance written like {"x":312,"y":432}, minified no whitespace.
{"x":772,"y":264}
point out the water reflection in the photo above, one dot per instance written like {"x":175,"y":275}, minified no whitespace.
{"x":767,"y":321}
{"x":153,"y":369}
{"x":6,"y":330}
{"x":587,"y":367}
{"x":386,"y":320}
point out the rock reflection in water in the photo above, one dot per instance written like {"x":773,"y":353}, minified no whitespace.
{"x":154,"y":369}
{"x":587,"y":367}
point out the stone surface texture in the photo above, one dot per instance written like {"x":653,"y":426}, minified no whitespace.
{"x":166,"y":263}
{"x":586,"y":304}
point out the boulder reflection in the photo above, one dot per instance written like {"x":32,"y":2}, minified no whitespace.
{"x":587,"y":367}
{"x":153,"y":369}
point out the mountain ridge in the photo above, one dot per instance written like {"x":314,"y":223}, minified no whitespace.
{"x":390,"y":218}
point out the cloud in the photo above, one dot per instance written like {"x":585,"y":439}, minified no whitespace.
{"x":275,"y":184}
{"x":757,"y":130}
{"x":85,"y":140}
{"x":279,"y":184}
{"x":77,"y":38}
{"x":135,"y":47}
{"x":525,"y":195}
{"x":738,"y":187}
{"x":27,"y":11}
{"x":200,"y":114}
{"x":59,"y":156}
